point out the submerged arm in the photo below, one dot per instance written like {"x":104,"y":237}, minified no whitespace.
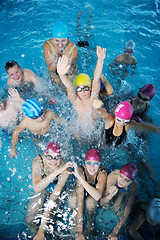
{"x":144,"y":127}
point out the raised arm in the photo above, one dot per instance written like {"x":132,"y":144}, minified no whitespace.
{"x":96,"y":193}
{"x":15,"y":136}
{"x":40,"y":183}
{"x":14,"y":96}
{"x":101,"y":53}
{"x":62,"y":68}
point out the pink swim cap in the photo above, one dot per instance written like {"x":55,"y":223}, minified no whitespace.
{"x":130,"y":171}
{"x":93,"y":155}
{"x":53,"y":148}
{"x":124,"y":110}
{"x":148,"y":90}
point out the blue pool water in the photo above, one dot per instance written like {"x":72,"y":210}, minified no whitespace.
{"x":25,"y":25}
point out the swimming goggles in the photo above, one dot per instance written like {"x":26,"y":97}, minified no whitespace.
{"x":85,"y":88}
{"x":96,"y":164}
{"x":1,"y":100}
{"x":143,"y":98}
{"x":123,"y":120}
{"x":50,"y":158}
{"x":129,"y":51}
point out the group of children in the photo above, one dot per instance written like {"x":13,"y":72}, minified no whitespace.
{"x":49,"y":171}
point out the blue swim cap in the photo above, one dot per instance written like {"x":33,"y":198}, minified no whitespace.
{"x":60,"y":30}
{"x":32,"y":108}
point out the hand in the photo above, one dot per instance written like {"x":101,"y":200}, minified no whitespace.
{"x":97,"y":103}
{"x":52,"y":101}
{"x":63,"y":65}
{"x":112,"y":236}
{"x":113,"y":191}
{"x":101,"y":53}
{"x":76,"y":172}
{"x":80,"y":237}
{"x":13,"y":94}
{"x":12,"y":153}
{"x":67,"y":165}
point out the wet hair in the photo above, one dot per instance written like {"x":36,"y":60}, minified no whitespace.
{"x":10,"y":64}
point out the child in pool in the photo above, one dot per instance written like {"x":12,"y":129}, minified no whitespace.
{"x":17,"y":75}
{"x":122,"y":186}
{"x":125,"y":59}
{"x":91,"y":179}
{"x":58,"y":46}
{"x":141,"y":102}
{"x":49,"y":176}
{"x":147,"y":212}
{"x":82,"y":95}
{"x":116,"y":127}
{"x":36,"y":120}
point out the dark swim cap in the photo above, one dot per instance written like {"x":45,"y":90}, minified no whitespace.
{"x":93,"y":155}
{"x":32,"y":108}
{"x":130,"y":171}
{"x":53,"y":148}
{"x":148,"y":90}
{"x":60,"y":30}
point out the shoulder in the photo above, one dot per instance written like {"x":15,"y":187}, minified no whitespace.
{"x":46,"y":43}
{"x":28,"y":72}
{"x":134,"y":61}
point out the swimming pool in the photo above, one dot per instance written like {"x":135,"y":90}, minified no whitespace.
{"x":25,"y":25}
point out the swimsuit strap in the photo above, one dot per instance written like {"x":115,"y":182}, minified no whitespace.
{"x":145,"y":107}
{"x":51,"y":48}
{"x":71,"y":50}
{"x":44,"y":175}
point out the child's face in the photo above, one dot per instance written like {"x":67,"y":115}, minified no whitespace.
{"x":123,"y":181}
{"x":83,"y":91}
{"x":92,"y":166}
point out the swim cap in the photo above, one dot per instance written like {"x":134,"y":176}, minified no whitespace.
{"x":153,"y":210}
{"x":148,"y":90}
{"x":60,"y":30}
{"x":82,"y":79}
{"x":130,"y":171}
{"x":93,"y":155}
{"x":1,"y":100}
{"x":32,"y":108}
{"x":124,"y":110}
{"x":130,"y":45}
{"x":53,"y":148}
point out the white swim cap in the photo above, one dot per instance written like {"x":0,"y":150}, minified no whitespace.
{"x":153,"y":210}
{"x":130,"y":45}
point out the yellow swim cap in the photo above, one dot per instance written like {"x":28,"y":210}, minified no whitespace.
{"x":82,"y":79}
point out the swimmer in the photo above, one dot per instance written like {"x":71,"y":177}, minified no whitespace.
{"x":147,"y":213}
{"x":10,"y":109}
{"x":49,"y":176}
{"x":18,"y":76}
{"x":125,"y":59}
{"x":141,"y":102}
{"x":123,"y":186}
{"x":91,"y":179}
{"x":117,"y":126}
{"x":81,"y":95}
{"x":58,"y":46}
{"x":37,"y":121}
